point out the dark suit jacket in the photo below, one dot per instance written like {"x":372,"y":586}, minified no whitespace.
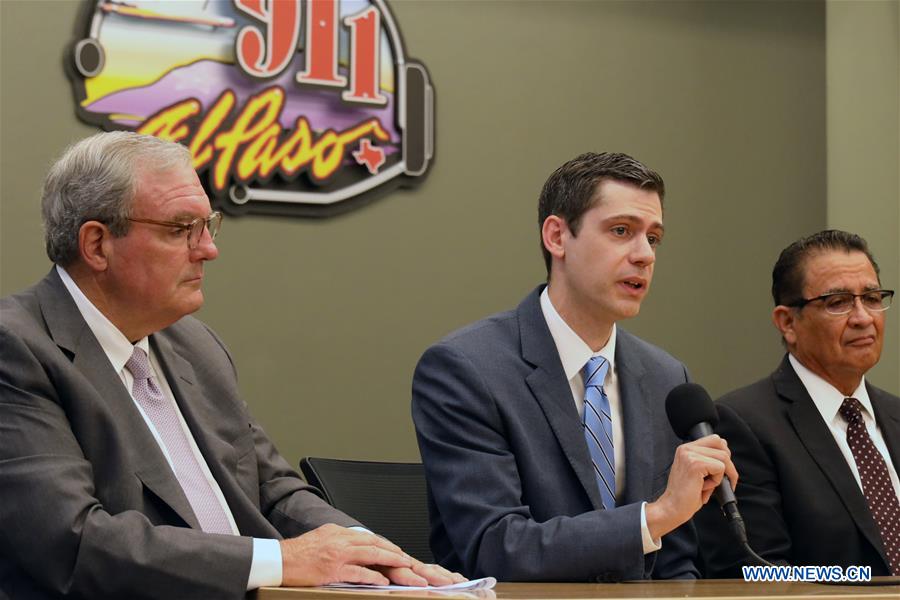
{"x":798,"y":497}
{"x":90,"y":506}
{"x":511,"y":489}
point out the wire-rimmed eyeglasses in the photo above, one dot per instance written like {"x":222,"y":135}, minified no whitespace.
{"x":841,"y":303}
{"x":194,"y":229}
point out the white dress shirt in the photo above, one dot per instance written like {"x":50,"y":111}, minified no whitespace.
{"x":265,"y":569}
{"x":574,"y":354}
{"x":828,"y":400}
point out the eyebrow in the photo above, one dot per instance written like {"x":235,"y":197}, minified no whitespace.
{"x":635,"y":220}
{"x":186,"y":217}
{"x":842,"y":290}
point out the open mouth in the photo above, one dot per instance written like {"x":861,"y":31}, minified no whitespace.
{"x":634,"y":284}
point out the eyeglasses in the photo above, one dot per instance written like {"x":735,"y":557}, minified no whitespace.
{"x":841,"y":303}
{"x":194,"y":229}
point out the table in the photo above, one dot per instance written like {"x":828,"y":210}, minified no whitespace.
{"x":658,"y":590}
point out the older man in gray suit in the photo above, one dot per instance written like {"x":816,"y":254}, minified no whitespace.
{"x":130,"y":468}
{"x":546,"y":446}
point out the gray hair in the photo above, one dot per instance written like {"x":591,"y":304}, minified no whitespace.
{"x":95,"y":180}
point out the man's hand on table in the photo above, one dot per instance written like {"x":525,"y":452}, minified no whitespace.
{"x":421,"y":574}
{"x":334,"y":554}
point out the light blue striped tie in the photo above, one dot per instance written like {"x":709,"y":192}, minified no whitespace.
{"x":598,"y":429}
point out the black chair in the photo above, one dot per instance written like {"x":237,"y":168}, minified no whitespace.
{"x":388,"y":498}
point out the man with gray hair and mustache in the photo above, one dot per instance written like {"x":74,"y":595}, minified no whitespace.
{"x":129,"y":464}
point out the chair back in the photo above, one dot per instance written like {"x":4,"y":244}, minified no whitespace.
{"x":390,"y":499}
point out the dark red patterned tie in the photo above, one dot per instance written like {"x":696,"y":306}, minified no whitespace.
{"x":876,"y":481}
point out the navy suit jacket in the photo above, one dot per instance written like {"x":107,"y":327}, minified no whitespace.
{"x":799,"y":499}
{"x":511,"y":490}
{"x":90,"y":507}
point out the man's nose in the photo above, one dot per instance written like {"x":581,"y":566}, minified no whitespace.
{"x":859,"y":314}
{"x":642,"y":252}
{"x":206,"y":248}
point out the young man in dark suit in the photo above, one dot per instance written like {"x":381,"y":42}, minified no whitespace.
{"x":545,"y":441}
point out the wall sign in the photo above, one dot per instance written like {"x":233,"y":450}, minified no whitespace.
{"x":305,"y":107}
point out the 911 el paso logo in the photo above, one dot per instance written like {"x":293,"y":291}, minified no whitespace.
{"x":284,"y":104}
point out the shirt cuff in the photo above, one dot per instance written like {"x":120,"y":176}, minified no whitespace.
{"x":650,"y":545}
{"x":265,"y":569}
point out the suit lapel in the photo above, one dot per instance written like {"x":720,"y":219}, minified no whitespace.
{"x":151,"y":466}
{"x":198,"y":411}
{"x":194,"y":406}
{"x":551,"y":389}
{"x":638,"y":420}
{"x":887,"y":415}
{"x":70,"y":332}
{"x":816,"y":436}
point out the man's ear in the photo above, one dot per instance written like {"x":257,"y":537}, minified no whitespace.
{"x":94,"y":245}
{"x":553,"y":231}
{"x":784,"y":317}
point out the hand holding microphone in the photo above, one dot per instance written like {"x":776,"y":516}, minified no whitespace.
{"x":693,"y":416}
{"x":698,"y":468}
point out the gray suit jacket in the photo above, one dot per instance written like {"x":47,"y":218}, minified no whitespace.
{"x":797,"y":495}
{"x":90,"y":506}
{"x":511,"y":490}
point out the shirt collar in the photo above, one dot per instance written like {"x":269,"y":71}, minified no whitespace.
{"x":574,"y":351}
{"x":825,"y":396}
{"x":114,"y":343}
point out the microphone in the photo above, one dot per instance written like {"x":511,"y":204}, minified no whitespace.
{"x":692,"y":415}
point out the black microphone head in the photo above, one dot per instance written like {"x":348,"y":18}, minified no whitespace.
{"x":688,"y":404}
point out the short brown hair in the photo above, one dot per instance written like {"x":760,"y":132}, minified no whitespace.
{"x":569,"y":191}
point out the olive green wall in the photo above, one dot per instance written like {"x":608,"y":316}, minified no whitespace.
{"x":326,"y":319}
{"x":863,"y":116}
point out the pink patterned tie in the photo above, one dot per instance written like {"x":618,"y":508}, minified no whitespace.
{"x":876,"y":481}
{"x":163,"y":416}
